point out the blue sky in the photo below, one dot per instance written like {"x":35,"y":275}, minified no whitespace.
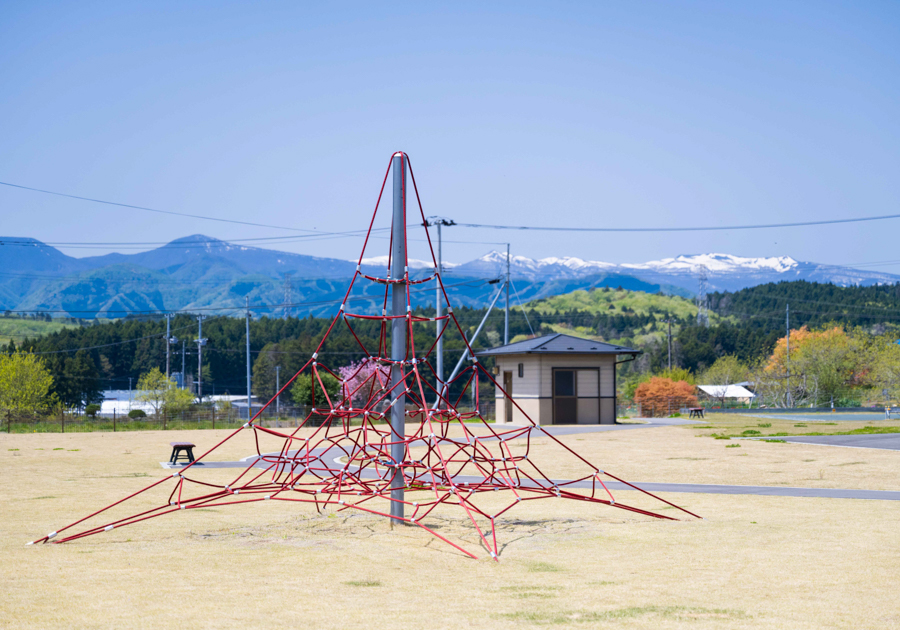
{"x":585,"y":114}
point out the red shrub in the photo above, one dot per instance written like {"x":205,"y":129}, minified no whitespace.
{"x":660,"y":396}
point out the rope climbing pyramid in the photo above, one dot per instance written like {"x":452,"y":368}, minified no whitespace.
{"x":394,"y":441}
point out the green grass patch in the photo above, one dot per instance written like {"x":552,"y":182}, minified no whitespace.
{"x":732,"y":446}
{"x":531,"y":592}
{"x":363,"y":583}
{"x":543,"y":567}
{"x":860,"y":431}
{"x":764,"y":425}
{"x":751,"y":432}
{"x":18,"y":329}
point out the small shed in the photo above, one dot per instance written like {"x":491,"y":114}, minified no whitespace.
{"x":558,"y":379}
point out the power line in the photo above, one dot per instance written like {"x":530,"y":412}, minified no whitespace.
{"x":170,"y":212}
{"x":108,"y":345}
{"x":761,"y":226}
{"x":182,"y":244}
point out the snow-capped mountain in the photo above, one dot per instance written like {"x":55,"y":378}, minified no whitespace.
{"x":202,"y":272}
{"x":718,"y":263}
{"x":723,"y":271}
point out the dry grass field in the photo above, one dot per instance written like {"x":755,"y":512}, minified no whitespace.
{"x":754,"y":562}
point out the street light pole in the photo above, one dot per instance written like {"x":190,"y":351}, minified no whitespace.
{"x":506,"y":327}
{"x":440,"y":325}
{"x":249,"y":403}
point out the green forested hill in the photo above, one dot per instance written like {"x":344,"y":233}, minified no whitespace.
{"x":811,"y":304}
{"x":631,"y":318}
{"x":614,"y":301}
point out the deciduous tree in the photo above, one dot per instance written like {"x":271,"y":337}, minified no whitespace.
{"x":24,"y":383}
{"x":662,"y":396}
{"x":302,"y":390}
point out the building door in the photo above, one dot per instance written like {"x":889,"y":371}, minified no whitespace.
{"x":565,"y":399}
{"x":508,"y":388}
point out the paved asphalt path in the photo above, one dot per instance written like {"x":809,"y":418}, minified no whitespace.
{"x":773,"y":491}
{"x":888,"y":441}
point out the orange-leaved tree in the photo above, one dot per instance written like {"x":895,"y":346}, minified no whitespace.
{"x":825,"y":365}
{"x":662,"y":396}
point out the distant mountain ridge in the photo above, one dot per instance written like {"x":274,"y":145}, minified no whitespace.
{"x":200,"y":272}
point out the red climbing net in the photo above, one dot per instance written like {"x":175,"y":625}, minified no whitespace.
{"x":451,"y":455}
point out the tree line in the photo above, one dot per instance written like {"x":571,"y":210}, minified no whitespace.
{"x":85,"y":361}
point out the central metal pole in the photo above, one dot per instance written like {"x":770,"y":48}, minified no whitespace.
{"x":439,"y":370}
{"x":399,"y":328}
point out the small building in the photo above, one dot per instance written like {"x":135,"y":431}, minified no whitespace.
{"x":558,"y":379}
{"x":727,"y":393}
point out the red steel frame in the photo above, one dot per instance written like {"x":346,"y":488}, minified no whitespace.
{"x":453,"y":471}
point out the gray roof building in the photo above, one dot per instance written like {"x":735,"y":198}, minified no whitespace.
{"x":557,"y":379}
{"x":558,"y":344}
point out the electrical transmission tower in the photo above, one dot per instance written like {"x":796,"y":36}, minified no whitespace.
{"x":702,"y":298}
{"x":288,"y":294}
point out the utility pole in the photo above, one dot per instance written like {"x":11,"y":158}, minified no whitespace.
{"x":168,"y":341}
{"x":506,"y":327}
{"x":183,"y":373}
{"x":200,"y":343}
{"x":669,"y":321}
{"x":787,"y":360}
{"x":249,"y":404}
{"x":440,"y":325}
{"x":130,"y":397}
{"x":278,"y":390}
{"x":399,"y":328}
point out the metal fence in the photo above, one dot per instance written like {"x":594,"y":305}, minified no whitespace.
{"x":197,"y":418}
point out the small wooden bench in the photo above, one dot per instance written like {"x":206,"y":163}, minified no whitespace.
{"x":179,"y":449}
{"x":695,"y":412}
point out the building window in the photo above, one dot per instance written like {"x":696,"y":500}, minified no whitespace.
{"x":521,"y":370}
